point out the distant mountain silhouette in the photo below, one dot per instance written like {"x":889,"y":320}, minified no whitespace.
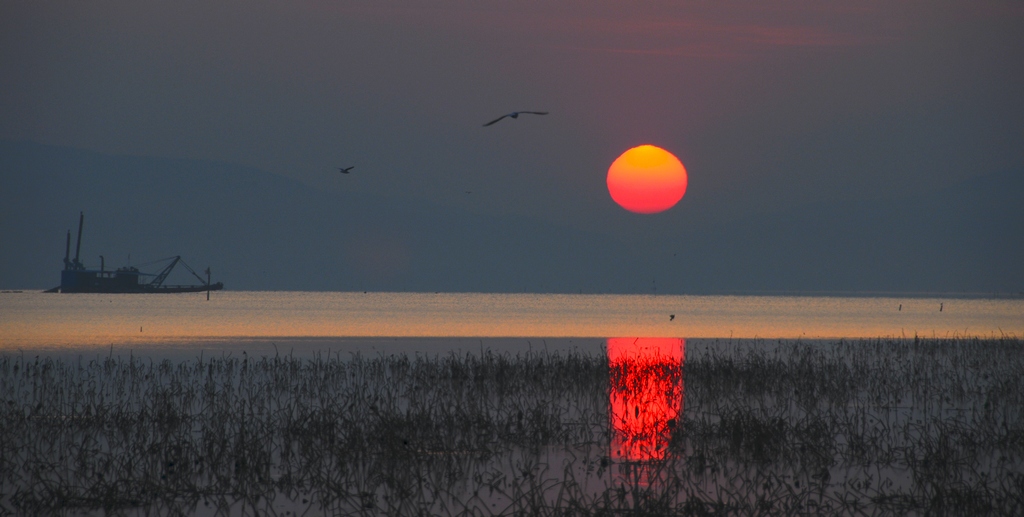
{"x":261,"y":231}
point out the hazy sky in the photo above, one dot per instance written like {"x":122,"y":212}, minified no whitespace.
{"x":768,"y":104}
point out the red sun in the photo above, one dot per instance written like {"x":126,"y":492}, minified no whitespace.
{"x":647,"y":180}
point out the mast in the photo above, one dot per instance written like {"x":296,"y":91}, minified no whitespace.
{"x":78,"y":246}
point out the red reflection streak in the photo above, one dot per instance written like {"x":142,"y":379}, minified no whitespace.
{"x":646,"y":395}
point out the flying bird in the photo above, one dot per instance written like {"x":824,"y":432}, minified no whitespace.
{"x":515,"y":114}
{"x":346,"y":170}
{"x":671,"y":317}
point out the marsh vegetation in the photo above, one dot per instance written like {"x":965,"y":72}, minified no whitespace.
{"x":882,"y":426}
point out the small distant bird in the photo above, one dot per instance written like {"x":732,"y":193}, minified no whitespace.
{"x":671,"y":317}
{"x":515,"y":114}
{"x":940,"y":307}
{"x":901,"y":307}
{"x":346,"y":170}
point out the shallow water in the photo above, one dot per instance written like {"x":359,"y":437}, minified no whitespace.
{"x":450,"y":321}
{"x":883,"y":427}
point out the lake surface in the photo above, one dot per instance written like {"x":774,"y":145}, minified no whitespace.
{"x":435,"y":322}
{"x":647,"y":409}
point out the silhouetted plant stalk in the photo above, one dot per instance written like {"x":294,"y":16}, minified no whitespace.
{"x":881,"y":426}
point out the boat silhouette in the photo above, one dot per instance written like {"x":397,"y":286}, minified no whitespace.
{"x":76,"y":278}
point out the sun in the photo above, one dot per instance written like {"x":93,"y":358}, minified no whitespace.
{"x":647,"y":180}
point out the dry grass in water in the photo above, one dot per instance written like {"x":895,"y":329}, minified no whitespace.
{"x":884,"y":426}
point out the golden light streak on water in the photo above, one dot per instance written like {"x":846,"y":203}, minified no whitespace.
{"x":33,"y":319}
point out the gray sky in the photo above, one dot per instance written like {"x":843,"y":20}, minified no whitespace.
{"x":768,"y":104}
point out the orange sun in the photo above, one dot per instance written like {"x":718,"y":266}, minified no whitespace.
{"x":647,"y":180}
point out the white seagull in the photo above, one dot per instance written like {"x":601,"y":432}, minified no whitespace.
{"x":515,"y":114}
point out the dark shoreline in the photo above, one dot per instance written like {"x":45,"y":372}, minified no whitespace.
{"x":332,"y":347}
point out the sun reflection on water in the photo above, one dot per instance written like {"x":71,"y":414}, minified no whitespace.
{"x":646,"y":395}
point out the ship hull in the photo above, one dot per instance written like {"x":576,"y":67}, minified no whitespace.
{"x":121,"y":282}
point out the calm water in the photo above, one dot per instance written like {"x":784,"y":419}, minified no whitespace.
{"x":623,"y":421}
{"x":33,"y":320}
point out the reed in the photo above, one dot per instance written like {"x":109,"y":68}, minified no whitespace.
{"x":882,"y":426}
